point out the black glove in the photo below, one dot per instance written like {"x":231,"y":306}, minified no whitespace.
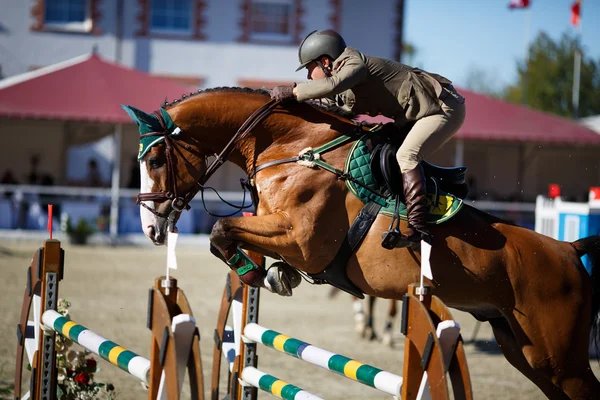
{"x":282,"y":93}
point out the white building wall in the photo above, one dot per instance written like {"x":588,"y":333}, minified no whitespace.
{"x":220,"y":60}
{"x":370,"y":26}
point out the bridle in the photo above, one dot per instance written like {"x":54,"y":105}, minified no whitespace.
{"x":180,"y":201}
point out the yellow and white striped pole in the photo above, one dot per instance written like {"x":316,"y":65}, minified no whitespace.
{"x":127,"y":360}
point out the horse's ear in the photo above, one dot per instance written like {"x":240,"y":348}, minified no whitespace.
{"x":146,"y":122}
{"x":131,"y":113}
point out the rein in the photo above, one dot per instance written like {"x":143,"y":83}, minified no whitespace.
{"x":181,"y":202}
{"x":308,"y":157}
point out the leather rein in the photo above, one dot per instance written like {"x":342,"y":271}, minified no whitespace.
{"x":180,"y":202}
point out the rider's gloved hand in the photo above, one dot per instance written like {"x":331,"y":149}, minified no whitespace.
{"x":282,"y":93}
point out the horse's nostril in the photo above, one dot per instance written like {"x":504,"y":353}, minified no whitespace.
{"x":152,"y":231}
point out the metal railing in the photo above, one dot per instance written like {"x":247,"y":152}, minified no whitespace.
{"x":23,"y":207}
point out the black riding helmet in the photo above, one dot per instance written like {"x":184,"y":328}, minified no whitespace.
{"x":320,"y":43}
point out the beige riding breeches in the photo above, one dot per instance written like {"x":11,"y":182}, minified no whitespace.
{"x":430,"y":133}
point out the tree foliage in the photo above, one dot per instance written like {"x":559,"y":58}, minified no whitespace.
{"x":547,"y":78}
{"x":481,"y":81}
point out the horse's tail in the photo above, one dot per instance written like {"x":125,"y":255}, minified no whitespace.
{"x":591,"y":247}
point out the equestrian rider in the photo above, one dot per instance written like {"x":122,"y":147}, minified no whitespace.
{"x":370,"y":85}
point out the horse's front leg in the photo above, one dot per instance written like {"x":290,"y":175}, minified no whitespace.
{"x":272,"y":234}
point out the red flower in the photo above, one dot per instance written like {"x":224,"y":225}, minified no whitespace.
{"x":83,"y":378}
{"x":90,"y":363}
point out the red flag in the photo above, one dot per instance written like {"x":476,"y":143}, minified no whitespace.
{"x":50,"y":220}
{"x":575,"y":13}
{"x":519,"y":3}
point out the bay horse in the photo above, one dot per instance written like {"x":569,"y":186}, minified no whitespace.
{"x":534,"y":290}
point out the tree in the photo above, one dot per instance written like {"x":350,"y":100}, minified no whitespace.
{"x":548,"y":78}
{"x":481,"y":81}
{"x":409,"y":53}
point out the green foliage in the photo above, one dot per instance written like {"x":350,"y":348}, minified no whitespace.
{"x":6,"y":390}
{"x":80,"y":232}
{"x":409,"y":52}
{"x":548,"y":78}
{"x":484,"y":82}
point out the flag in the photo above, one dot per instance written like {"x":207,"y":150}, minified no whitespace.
{"x":519,"y":3}
{"x":576,"y":13}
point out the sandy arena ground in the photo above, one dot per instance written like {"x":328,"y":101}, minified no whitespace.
{"x":108,"y":290}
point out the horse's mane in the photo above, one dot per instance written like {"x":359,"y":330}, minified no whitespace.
{"x":317,"y":104}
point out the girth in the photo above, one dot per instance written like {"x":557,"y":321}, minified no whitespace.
{"x":335,"y":273}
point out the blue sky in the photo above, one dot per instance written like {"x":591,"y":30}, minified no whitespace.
{"x":454,"y":36}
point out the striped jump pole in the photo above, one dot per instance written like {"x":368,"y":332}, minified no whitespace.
{"x":275,"y":386}
{"x":127,"y":360}
{"x":366,"y":374}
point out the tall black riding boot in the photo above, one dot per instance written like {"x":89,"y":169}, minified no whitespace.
{"x":416,"y":207}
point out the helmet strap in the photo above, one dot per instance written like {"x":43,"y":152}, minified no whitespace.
{"x":326,"y":71}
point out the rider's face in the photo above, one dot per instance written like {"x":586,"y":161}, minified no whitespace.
{"x":315,"y":71}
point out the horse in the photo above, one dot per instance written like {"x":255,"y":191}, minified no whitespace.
{"x":534,"y":290}
{"x":364,"y":324}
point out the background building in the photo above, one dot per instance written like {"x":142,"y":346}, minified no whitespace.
{"x":513,"y":153}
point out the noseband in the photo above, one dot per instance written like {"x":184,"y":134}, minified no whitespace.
{"x":180,"y":202}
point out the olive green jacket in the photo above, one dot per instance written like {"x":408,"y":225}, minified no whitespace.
{"x":370,"y":85}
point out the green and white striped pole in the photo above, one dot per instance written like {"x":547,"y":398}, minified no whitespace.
{"x":366,"y":374}
{"x":275,"y":386}
{"x":127,"y":360}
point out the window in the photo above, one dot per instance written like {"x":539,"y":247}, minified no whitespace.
{"x":171,"y":16}
{"x":271,"y":17}
{"x":68,"y":14}
{"x":271,"y":20}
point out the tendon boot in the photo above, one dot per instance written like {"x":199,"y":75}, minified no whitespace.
{"x":416,"y":207}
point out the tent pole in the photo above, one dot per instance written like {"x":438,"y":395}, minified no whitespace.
{"x":114,"y":190}
{"x":459,"y":151}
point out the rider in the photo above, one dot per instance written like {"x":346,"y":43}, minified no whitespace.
{"x":372,"y":86}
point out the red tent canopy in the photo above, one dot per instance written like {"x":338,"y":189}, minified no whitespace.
{"x":492,"y":119}
{"x":90,"y":89}
{"x":85,"y":88}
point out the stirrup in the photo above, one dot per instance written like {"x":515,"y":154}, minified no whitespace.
{"x":414,"y":240}
{"x":392,"y":236}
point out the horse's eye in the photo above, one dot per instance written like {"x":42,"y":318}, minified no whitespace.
{"x":155,"y":162}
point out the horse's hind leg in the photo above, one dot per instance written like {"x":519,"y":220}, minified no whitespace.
{"x":363,"y":317}
{"x":513,"y":353}
{"x":554,"y":340}
{"x":389,"y":323}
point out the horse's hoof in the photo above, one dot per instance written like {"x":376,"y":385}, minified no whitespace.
{"x":291,"y":272}
{"x":281,"y":279}
{"x":359,"y":322}
{"x":387,"y":339}
{"x":371,"y":335}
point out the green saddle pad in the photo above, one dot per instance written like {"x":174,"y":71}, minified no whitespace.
{"x":358,"y":166}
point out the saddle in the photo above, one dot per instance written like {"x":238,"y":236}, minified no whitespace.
{"x":387,"y":174}
{"x":372,"y":161}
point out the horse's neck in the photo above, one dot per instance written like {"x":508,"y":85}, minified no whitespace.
{"x":214,"y":125}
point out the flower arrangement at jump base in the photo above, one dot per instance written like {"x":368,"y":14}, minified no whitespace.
{"x":76,"y":370}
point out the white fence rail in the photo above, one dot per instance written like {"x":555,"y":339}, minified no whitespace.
{"x":23,"y":208}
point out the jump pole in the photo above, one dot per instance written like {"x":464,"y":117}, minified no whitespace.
{"x":368,"y":375}
{"x":174,"y":343}
{"x":125,"y":359}
{"x":434,"y":349}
